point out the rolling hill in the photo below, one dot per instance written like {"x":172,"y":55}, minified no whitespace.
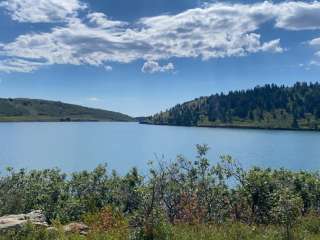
{"x":268,"y":107}
{"x":22,"y":109}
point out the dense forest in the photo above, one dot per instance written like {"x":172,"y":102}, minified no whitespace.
{"x":181,"y":199}
{"x":21,"y":109}
{"x":269,"y":106}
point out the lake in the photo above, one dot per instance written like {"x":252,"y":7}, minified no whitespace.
{"x":78,"y":146}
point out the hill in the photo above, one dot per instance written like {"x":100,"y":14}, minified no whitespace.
{"x":269,"y":106}
{"x":21,"y":109}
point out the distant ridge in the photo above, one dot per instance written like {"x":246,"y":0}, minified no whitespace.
{"x":266,"y":107}
{"x":24,"y":109}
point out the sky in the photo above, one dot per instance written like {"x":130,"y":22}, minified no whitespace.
{"x":140,"y":57}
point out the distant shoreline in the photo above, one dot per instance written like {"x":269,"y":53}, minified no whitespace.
{"x":237,"y":127}
{"x":58,"y":121}
{"x":37,"y":110}
{"x":170,"y":125}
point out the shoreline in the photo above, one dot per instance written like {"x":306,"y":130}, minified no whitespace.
{"x":237,"y":127}
{"x":170,"y":125}
{"x":57,"y":121}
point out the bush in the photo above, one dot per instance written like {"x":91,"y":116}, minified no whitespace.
{"x":192,"y":195}
{"x":310,"y":224}
{"x":29,"y":232}
{"x":108,"y":220}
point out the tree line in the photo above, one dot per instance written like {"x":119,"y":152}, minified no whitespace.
{"x":269,"y":106}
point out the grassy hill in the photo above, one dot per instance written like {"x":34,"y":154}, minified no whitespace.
{"x":21,"y":109}
{"x":269,"y":106}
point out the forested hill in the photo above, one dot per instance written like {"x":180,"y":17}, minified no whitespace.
{"x":20,"y":109}
{"x":269,"y":106}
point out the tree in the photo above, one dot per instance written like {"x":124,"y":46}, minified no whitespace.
{"x":250,"y":107}
{"x":295,"y":124}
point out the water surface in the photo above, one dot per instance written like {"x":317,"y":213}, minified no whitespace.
{"x":78,"y":146}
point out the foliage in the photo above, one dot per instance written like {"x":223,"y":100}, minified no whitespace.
{"x":229,"y":230}
{"x":176,"y":199}
{"x":287,"y":209}
{"x":107,"y":220}
{"x":21,"y":109}
{"x":270,"y":106}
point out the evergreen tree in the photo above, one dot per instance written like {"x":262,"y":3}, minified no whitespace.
{"x":270,"y":106}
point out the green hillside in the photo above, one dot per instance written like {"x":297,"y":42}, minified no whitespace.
{"x":269,"y":106}
{"x":21,"y":109}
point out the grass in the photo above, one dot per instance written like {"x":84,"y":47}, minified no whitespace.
{"x":307,"y":229}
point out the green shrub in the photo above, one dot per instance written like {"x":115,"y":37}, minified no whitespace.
{"x":107,"y":221}
{"x":29,"y":232}
{"x":310,"y":224}
{"x":175,"y":200}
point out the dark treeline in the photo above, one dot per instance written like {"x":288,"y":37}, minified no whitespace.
{"x":173,"y":194}
{"x":270,"y":106}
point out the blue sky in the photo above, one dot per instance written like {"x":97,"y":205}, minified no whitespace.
{"x":140,"y":56}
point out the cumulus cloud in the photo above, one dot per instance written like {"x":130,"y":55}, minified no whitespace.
{"x":154,"y":67}
{"x":315,"y":42}
{"x":217,"y":30}
{"x":100,"y":20}
{"x":298,"y":15}
{"x":272,"y":46}
{"x":74,"y":44}
{"x":36,"y":11}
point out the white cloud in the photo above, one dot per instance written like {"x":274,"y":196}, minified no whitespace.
{"x":216,"y":31}
{"x":220,"y":30}
{"x":41,"y":10}
{"x":315,"y":63}
{"x":305,"y":66}
{"x":154,"y":67}
{"x":298,"y":15}
{"x":93,"y":99}
{"x":108,"y":68}
{"x":75,"y":44}
{"x":18,"y":65}
{"x":315,"y":42}
{"x":100,"y":20}
{"x":272,"y":46}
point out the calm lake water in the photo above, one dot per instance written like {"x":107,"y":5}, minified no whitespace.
{"x":78,"y":146}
